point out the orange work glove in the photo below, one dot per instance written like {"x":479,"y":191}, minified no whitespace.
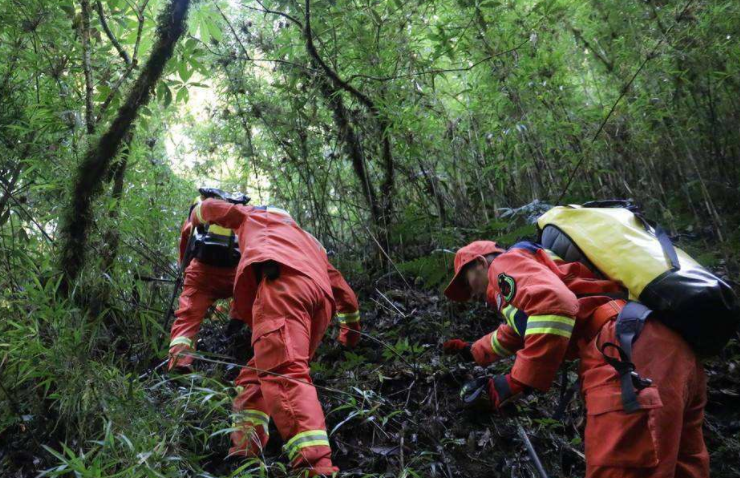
{"x":502,"y":389}
{"x":349,"y":329}
{"x":459,"y":347}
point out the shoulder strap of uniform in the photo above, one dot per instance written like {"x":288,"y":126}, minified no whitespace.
{"x":527,"y":245}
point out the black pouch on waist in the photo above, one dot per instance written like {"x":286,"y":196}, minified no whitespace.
{"x":268,"y":269}
{"x":218,"y":251}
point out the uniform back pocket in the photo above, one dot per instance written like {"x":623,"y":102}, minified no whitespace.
{"x":618,"y":439}
{"x":272,"y":348}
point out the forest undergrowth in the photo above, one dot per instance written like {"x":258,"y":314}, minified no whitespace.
{"x":392,"y":406}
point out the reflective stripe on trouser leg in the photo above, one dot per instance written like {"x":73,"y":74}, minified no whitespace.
{"x":253,"y":417}
{"x":304,"y":440}
{"x":251,"y":432}
{"x":181,"y":341}
{"x":180,"y":353}
{"x":248,"y":440}
{"x":251,"y":421}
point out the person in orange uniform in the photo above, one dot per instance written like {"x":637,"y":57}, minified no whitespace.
{"x":289,"y":292}
{"x":558,"y":311}
{"x":204,"y":284}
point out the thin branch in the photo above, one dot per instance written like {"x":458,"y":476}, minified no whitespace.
{"x":653,"y":53}
{"x":14,"y":175}
{"x":109,"y":33}
{"x":140,"y":18}
{"x":131,"y":65}
{"x":231,"y":27}
{"x":382,"y":121}
{"x":438,"y":71}
{"x":284,"y":62}
{"x":275,"y":12}
{"x":9,"y":185}
{"x":85,"y":37}
{"x":25,"y":211}
{"x":333,"y":76}
{"x":254,"y":60}
{"x":369,"y":232}
{"x":579,"y":36}
{"x":113,"y":91}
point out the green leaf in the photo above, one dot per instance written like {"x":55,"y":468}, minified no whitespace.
{"x":198,"y":66}
{"x":164,"y":94}
{"x":190,"y":44}
{"x":205,"y":35}
{"x":378,"y":20}
{"x":182,"y":95}
{"x":184,"y":72}
{"x":215,"y":30}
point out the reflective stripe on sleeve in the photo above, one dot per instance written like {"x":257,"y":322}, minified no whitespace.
{"x":515,"y":318}
{"x":278,"y":210}
{"x":553,"y":256}
{"x":318,"y":243}
{"x":499,"y":349}
{"x":305,"y":440}
{"x":197,"y":213}
{"x":349,"y":318}
{"x":550,"y":324}
{"x":219,"y":231}
{"x":509,"y":313}
{"x":181,"y":341}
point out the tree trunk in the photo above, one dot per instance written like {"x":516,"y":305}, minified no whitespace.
{"x":352,"y":145}
{"x":78,"y":215}
{"x":381,"y":121}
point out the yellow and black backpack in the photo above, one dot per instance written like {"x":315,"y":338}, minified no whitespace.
{"x":615,"y":240}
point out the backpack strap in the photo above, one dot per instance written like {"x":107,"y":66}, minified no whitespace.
{"x":609,"y":203}
{"x":566,"y":395}
{"x":667,"y":246}
{"x":630,"y":322}
{"x":527,"y":246}
{"x":665,"y":241}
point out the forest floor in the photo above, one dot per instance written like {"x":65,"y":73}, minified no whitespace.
{"x":393,"y":406}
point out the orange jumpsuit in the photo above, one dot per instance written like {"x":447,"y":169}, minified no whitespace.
{"x":203,"y":285}
{"x":288,"y":316}
{"x":554,"y":312}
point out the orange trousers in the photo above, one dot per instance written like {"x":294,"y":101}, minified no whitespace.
{"x":289,"y":318}
{"x":203,"y":286}
{"x":664,"y":438}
